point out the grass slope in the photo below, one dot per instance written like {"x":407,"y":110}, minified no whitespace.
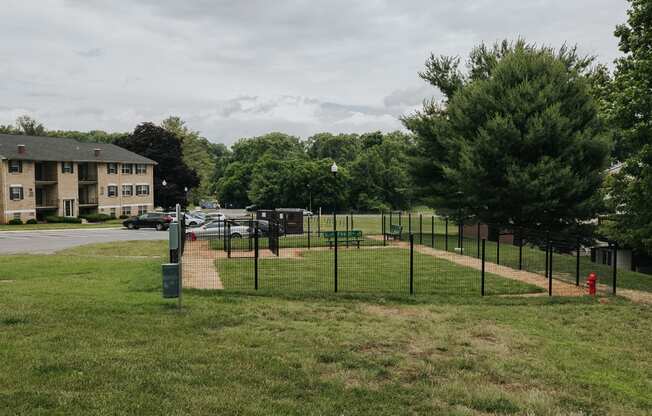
{"x":84,"y":335}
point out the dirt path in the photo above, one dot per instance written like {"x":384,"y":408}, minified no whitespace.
{"x":198,"y":267}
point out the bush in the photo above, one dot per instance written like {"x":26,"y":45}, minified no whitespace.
{"x":15,"y":221}
{"x":124,"y":217}
{"x":31,"y":221}
{"x":58,"y":219}
{"x":96,"y":217}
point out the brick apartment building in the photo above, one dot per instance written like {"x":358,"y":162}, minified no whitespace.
{"x":41,"y":176}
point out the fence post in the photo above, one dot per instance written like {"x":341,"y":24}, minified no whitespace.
{"x":383,"y":228}
{"x":229,"y":241}
{"x":432,"y":232}
{"x":461,"y":237}
{"x":411,"y":264}
{"x":420,"y":228}
{"x":577,"y":263}
{"x":224,"y":236}
{"x":615,"y":269}
{"x":409,"y":222}
{"x":347,"y":231}
{"x":351,"y":213}
{"x":446,"y":236}
{"x":547,"y":252}
{"x":309,"y":218}
{"x":520,"y":250}
{"x":256,"y":258}
{"x":335,"y":232}
{"x":550,"y":271}
{"x":319,"y":223}
{"x":498,"y":248}
{"x":391,"y":218}
{"x":482,"y":272}
{"x":400,"y":217}
{"x":477,"y":232}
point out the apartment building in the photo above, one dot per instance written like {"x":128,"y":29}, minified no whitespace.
{"x":41,"y":176}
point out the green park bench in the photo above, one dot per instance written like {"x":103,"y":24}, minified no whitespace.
{"x":395,"y":231}
{"x":343,"y":237}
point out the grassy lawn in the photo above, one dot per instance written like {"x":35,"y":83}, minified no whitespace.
{"x":60,"y":226}
{"x":371,"y":224}
{"x":91,"y":334}
{"x":534,"y":260}
{"x":366,"y":270}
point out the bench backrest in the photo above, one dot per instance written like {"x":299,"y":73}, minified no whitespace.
{"x":395,"y":229}
{"x":343,"y":234}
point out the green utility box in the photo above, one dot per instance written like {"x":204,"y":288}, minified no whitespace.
{"x":174,"y":236}
{"x":171,"y":280}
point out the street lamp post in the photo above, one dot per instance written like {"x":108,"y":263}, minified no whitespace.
{"x":334,"y":172}
{"x":309,"y":198}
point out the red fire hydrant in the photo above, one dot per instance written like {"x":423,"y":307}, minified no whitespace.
{"x":591,"y":282}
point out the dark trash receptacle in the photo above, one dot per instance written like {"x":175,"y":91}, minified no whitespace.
{"x":171,"y":280}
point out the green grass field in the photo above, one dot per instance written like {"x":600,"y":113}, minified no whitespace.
{"x":84,"y":334}
{"x":363,"y":270}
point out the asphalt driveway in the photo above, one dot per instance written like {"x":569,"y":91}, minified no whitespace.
{"x":45,"y":242}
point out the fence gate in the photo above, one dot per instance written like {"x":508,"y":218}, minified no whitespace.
{"x":274,"y":233}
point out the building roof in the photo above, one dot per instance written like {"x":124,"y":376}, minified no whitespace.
{"x":53,"y":149}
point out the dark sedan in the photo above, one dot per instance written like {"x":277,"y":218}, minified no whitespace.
{"x":157,"y":220}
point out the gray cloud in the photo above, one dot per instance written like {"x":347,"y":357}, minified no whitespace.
{"x":234,"y":69}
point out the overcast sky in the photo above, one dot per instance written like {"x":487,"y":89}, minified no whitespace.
{"x":241,"y":68}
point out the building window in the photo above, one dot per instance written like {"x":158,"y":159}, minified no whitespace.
{"x":141,"y":169}
{"x":112,"y":191}
{"x":67,"y":167}
{"x":127,"y":168}
{"x":112,"y":168}
{"x":142,"y":209}
{"x":127,"y":190}
{"x":16,"y":215}
{"x":126,"y":211}
{"x":142,"y":190}
{"x":112,"y":212}
{"x":15,"y":193}
{"x":15,"y":166}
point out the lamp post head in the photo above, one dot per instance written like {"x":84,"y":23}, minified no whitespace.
{"x":164,"y":183}
{"x":334,"y":168}
{"x":185,"y":189}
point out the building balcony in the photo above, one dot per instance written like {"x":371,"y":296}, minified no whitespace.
{"x":44,"y":181}
{"x":88,"y":202}
{"x":87,"y":180}
{"x":44,"y":204}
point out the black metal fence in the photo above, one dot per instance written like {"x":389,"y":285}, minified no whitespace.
{"x":388,"y":253}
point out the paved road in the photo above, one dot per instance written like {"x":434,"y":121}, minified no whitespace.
{"x":54,"y":240}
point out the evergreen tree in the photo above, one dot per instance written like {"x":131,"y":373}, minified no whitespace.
{"x":518,"y":139}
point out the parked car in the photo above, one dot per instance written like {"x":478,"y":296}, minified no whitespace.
{"x":307,"y":213}
{"x":252,"y":207}
{"x":217,"y":229}
{"x":209,"y":204}
{"x":190,"y":219}
{"x":263,"y":228}
{"x":214,"y":216}
{"x":159,"y":220}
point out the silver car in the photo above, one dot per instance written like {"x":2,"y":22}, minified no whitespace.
{"x":216,"y":229}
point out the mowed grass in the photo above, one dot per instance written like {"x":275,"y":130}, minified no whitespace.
{"x":534,"y":260}
{"x":375,"y":270}
{"x":83,"y":335}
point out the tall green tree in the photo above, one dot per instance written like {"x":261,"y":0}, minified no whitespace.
{"x":630,"y":115}
{"x":197,"y":154}
{"x":163,"y":147}
{"x":517,"y":140}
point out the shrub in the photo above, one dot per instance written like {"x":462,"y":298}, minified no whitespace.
{"x":124,"y":217}
{"x":15,"y":221}
{"x":58,"y":219}
{"x":31,"y":221}
{"x":96,"y":217}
